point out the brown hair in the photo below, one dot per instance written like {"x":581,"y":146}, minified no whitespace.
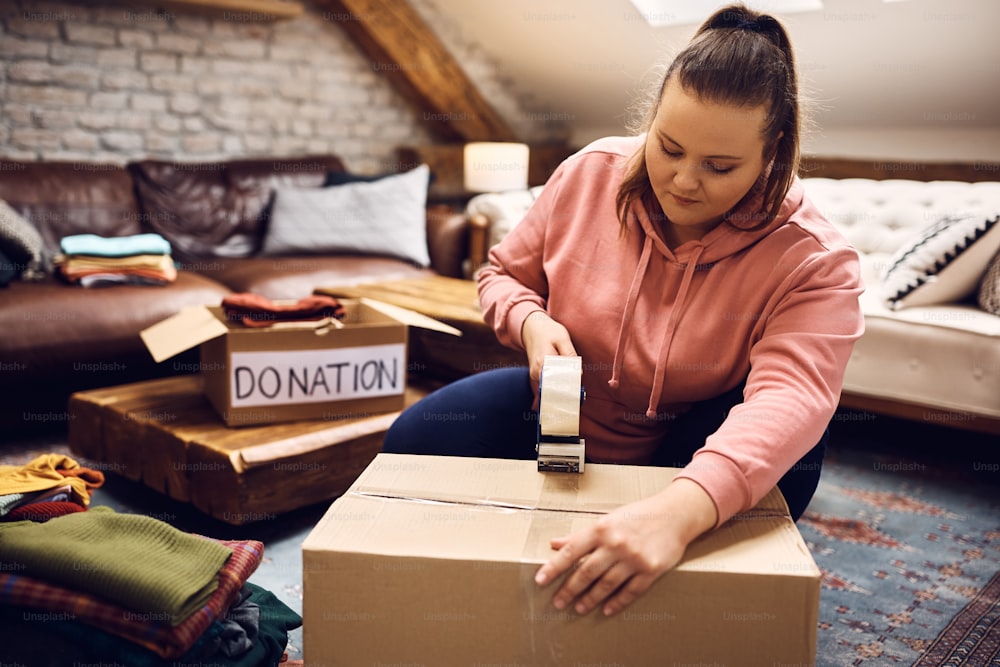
{"x":743,"y":58}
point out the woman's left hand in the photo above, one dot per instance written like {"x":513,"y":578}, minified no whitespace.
{"x":617,"y":559}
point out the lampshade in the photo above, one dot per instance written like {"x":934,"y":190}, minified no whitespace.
{"x":495,"y":166}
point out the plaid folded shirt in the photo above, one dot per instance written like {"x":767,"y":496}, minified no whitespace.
{"x":156,"y":634}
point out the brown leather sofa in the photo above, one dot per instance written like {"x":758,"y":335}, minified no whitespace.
{"x":57,"y":338}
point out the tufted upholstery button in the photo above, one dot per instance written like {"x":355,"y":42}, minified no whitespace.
{"x":913,"y":364}
{"x":978,"y":373}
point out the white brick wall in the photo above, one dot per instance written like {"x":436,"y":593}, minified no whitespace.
{"x":86,"y":81}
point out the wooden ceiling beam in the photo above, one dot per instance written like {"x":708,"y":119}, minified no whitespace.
{"x":404,"y":48}
{"x":252,"y":10}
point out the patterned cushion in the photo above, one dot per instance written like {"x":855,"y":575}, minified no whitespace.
{"x":21,"y":243}
{"x":944,"y":263}
{"x":989,"y":288}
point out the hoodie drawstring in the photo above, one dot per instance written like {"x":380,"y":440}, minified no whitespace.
{"x":624,"y":330}
{"x":668,"y":335}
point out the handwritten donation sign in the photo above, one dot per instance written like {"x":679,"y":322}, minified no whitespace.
{"x":282,"y":377}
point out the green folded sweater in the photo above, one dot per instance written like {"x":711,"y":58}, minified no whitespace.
{"x":136,"y":561}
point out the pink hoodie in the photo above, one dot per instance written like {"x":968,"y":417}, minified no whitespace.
{"x":659,"y":329}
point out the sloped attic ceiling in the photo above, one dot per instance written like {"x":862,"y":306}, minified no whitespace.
{"x":865,"y":63}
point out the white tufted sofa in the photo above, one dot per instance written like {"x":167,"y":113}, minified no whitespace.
{"x":936,"y":363}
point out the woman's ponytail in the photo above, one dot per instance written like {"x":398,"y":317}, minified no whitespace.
{"x":742,"y":58}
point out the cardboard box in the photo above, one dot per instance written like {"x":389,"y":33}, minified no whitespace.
{"x":430,"y":560}
{"x":296,"y":371}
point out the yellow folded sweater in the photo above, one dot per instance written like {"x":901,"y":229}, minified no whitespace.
{"x":41,"y":474}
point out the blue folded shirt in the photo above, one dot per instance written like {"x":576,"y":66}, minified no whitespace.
{"x":114,"y":246}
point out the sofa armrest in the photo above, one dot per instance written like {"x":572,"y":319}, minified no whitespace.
{"x":447,"y":240}
{"x":479,"y":241}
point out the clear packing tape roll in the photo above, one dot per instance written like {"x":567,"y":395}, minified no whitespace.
{"x":560,"y":392}
{"x":560,"y":447}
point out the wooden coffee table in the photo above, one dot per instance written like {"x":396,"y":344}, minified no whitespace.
{"x":453,"y":301}
{"x":165,"y":434}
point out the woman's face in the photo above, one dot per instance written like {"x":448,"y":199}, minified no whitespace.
{"x":702,"y":158}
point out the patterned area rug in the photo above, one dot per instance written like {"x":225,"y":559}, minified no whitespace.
{"x":908,"y":542}
{"x":973,"y":636}
{"x":907,"y":539}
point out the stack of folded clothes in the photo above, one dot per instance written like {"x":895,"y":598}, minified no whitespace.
{"x":254,"y":310}
{"x":104,"y":587}
{"x":141,"y":259}
{"x":49,"y":486}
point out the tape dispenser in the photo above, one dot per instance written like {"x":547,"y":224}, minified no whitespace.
{"x":560,"y":397}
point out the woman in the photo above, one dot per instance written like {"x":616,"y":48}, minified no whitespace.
{"x":713,"y":307}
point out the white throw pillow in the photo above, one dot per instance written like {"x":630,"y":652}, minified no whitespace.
{"x":944,"y":264}
{"x":989,"y":288}
{"x":383,"y":217}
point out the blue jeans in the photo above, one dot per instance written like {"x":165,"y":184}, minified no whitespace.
{"x":489,"y":415}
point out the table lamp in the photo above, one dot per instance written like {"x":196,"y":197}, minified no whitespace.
{"x":492,"y":166}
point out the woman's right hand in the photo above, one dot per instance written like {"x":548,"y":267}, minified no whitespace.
{"x":541,"y":336}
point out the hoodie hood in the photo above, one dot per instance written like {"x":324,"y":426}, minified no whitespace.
{"x":723,"y":241}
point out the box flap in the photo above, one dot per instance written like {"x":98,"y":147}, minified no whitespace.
{"x":410,"y":317}
{"x":190,"y":327}
{"x":266,"y":453}
{"x":507,"y":483}
{"x":513,"y":510}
